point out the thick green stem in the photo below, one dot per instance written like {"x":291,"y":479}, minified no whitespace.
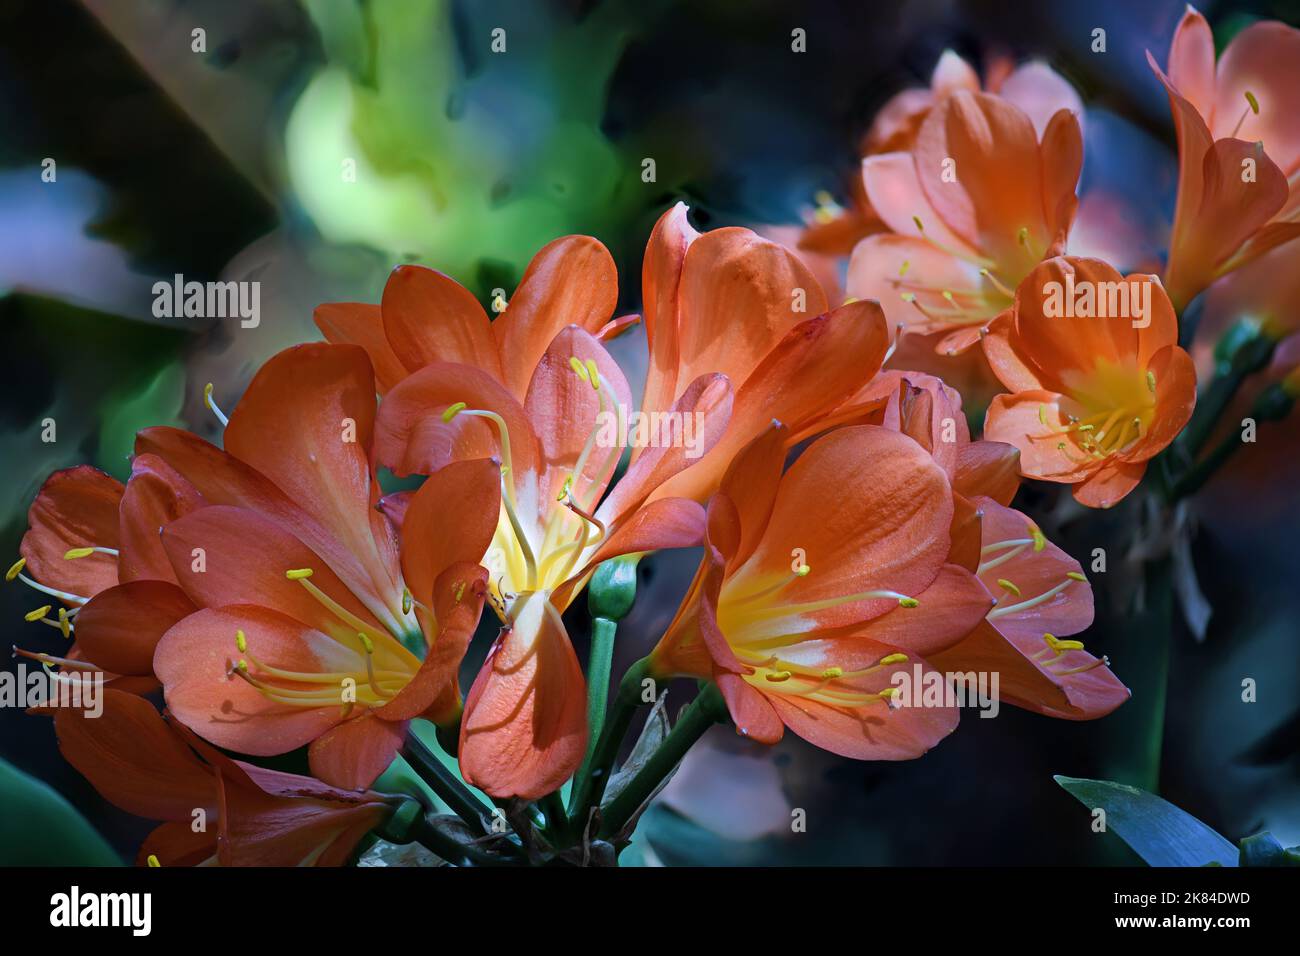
{"x":590,"y":788}
{"x":453,"y":851}
{"x":445,"y":784}
{"x":706,"y":710}
{"x":598,"y":666}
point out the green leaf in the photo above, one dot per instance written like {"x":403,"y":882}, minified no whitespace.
{"x":1158,"y":831}
{"x":1263,"y":849}
{"x":40,"y":828}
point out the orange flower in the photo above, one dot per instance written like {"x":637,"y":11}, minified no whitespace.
{"x":155,"y":768}
{"x":308,"y":619}
{"x":820,"y":585}
{"x":1034,"y":87}
{"x":1043,"y":596}
{"x":982,"y":197}
{"x":728,"y":306}
{"x":1099,"y":384}
{"x":1238,"y":149}
{"x":731,"y":302}
{"x":92,"y":546}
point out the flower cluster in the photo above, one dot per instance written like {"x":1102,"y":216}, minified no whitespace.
{"x":856,"y":536}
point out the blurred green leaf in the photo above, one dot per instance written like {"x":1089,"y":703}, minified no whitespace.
{"x":40,"y":828}
{"x":1263,"y":849}
{"x":1158,"y":831}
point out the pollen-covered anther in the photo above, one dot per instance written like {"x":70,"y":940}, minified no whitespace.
{"x":299,"y":574}
{"x":15,"y":569}
{"x":38,"y":614}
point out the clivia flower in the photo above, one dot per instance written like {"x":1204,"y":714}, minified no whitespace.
{"x":92,"y":551}
{"x":1043,"y":598}
{"x":819,"y":585}
{"x":1096,"y":392}
{"x":983,"y":196}
{"x":1238,"y":149}
{"x":1034,"y":87}
{"x":156,"y":768}
{"x":310,"y":630}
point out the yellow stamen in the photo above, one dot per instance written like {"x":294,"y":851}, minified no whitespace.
{"x":151,"y":859}
{"x":1008,"y":586}
{"x":299,"y":574}
{"x":893,"y":659}
{"x":594,"y":374}
{"x":833,"y":672}
{"x":241,"y":641}
{"x":37,"y":614}
{"x":64,"y":625}
{"x":15,"y":568}
{"x":407,"y":601}
{"x":73,"y":554}
{"x":1075,"y":576}
{"x":579,"y":369}
{"x":452,"y":411}
{"x":777,"y":677}
{"x":211,"y":403}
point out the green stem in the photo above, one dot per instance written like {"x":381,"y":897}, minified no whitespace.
{"x":707,"y":709}
{"x":445,"y":784}
{"x":454,"y":852}
{"x":598,"y":667}
{"x":1272,"y":404}
{"x":589,"y":788}
{"x":1248,"y":355}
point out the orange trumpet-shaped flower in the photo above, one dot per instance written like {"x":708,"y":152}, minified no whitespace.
{"x":92,"y":547}
{"x":820,"y":585}
{"x":981,"y":199}
{"x":1099,"y":385}
{"x":156,"y":768}
{"x":310,"y":625}
{"x":730,"y":302}
{"x":1033,"y":87}
{"x":1238,"y":149}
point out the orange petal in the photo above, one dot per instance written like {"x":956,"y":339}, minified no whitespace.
{"x":1175,"y":376}
{"x":571,"y":281}
{"x":990,"y":468}
{"x":1108,"y":485}
{"x":661,"y":273}
{"x":524,"y":729}
{"x":565,"y":410}
{"x":358,"y":323}
{"x":752,"y":712}
{"x":738,"y":296}
{"x":75,"y":508}
{"x":1264,"y":60}
{"x":1040,"y":92}
{"x":890,"y":533}
{"x":120,"y":626}
{"x":155,"y":496}
{"x":133,"y":760}
{"x":306,"y":422}
{"x":1030,"y":420}
{"x":751,"y":484}
{"x":429,"y":317}
{"x":193,"y":660}
{"x":450,"y":520}
{"x":894,"y":188}
{"x":354,"y":753}
{"x":1191,"y":64}
{"x":411,"y":437}
{"x":887,"y":267}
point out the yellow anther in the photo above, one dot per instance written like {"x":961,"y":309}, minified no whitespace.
{"x":1075,"y":576}
{"x":593,"y":374}
{"x":947,"y":295}
{"x":887,"y":693}
{"x":452,"y":411}
{"x":297,"y":574}
{"x":579,"y":369}
{"x":64,"y":625}
{"x":1040,"y":539}
{"x":15,"y":569}
{"x":241,"y":665}
{"x":38,"y":614}
{"x":804,"y":570}
{"x":151,"y":859}
{"x":919,"y":226}
{"x":241,"y":641}
{"x":366,"y":642}
{"x":460,"y":590}
{"x":73,"y":553}
{"x":1042,"y":414}
{"x":850,"y":300}
{"x":1056,"y":644}
{"x":1009,"y":586}
{"x":407,"y":601}
{"x":776,"y":677}
{"x":564,"y":490}
{"x":833,"y":672}
{"x":908,"y":602}
{"x":902,"y":270}
{"x":893,"y":659}
{"x":1022,"y":236}
{"x":207,"y":395}
{"x":908,"y":296}
{"x":1254,"y":103}
{"x":1151,"y":381}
